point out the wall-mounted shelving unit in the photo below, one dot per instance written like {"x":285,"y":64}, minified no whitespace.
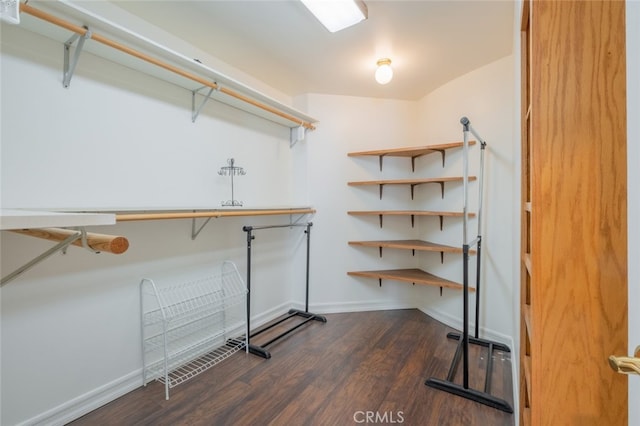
{"x":72,"y":25}
{"x":412,"y":275}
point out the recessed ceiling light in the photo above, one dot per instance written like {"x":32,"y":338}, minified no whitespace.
{"x":336,"y":15}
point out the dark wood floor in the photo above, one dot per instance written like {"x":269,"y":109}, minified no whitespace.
{"x":336,"y":373}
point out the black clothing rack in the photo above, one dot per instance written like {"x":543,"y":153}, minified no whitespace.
{"x":448,"y":385}
{"x":260,"y":350}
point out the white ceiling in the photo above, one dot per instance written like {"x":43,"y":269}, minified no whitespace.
{"x":282,"y":44}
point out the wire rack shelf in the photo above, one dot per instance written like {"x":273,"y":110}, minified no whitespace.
{"x":189,"y":327}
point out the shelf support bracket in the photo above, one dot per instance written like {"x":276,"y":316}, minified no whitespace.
{"x":442,"y":152}
{"x":380,"y":216}
{"x":60,"y":246}
{"x":442,"y":189}
{"x":413,"y":220}
{"x":71,"y":63}
{"x":297,"y":134}
{"x":381,"y":185}
{"x":194,"y":232}
{"x":195,"y":112}
{"x":441,"y":221}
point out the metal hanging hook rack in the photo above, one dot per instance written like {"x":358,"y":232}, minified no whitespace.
{"x":231,"y":170}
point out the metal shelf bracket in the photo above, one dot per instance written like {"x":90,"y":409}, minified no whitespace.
{"x":61,"y":246}
{"x":71,"y":63}
{"x":195,"y":112}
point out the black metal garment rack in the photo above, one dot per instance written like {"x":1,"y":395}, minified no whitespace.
{"x":448,"y":385}
{"x":260,"y":350}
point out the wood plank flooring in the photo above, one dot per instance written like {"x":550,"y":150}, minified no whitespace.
{"x":358,"y":368}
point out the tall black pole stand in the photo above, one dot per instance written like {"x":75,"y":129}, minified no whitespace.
{"x":448,"y":385}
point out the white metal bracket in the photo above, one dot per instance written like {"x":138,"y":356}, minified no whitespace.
{"x":297,"y":134}
{"x":71,"y":63}
{"x":62,"y":245}
{"x":194,"y":232}
{"x":195,"y":112}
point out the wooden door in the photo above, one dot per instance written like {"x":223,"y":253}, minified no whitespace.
{"x":576,"y":221}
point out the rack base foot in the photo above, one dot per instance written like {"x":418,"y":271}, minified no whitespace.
{"x":478,"y":396}
{"x":305,"y":314}
{"x":261,"y":351}
{"x":472,"y":394}
{"x":480,"y":342}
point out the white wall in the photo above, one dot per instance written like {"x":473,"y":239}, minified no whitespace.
{"x":118,"y":139}
{"x":356,"y":124}
{"x":486,"y":97}
{"x":633,"y":159}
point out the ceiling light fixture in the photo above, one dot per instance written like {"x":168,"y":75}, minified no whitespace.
{"x":336,"y":15}
{"x":384,"y":73}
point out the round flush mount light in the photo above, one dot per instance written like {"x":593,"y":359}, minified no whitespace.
{"x":384,"y":72}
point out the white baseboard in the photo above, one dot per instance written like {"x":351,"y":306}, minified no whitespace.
{"x":83,"y":404}
{"x":102,"y":395}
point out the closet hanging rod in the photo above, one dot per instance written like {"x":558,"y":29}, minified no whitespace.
{"x":130,"y":51}
{"x":127,"y":217}
{"x":97,"y":242}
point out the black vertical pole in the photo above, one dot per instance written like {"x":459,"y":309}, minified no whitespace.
{"x":478,"y":260}
{"x":248,"y":229}
{"x":465,"y":315}
{"x":306,"y":301}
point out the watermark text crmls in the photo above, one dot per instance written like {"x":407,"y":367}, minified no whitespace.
{"x":385,"y":417}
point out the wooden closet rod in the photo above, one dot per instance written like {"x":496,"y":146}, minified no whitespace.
{"x":99,"y":242}
{"x":100,"y":39}
{"x":126,"y":217}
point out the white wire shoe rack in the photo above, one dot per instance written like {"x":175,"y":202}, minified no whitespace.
{"x":189,"y":327}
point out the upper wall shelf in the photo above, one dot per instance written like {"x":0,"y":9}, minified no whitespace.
{"x":411,"y":182}
{"x":61,"y":20}
{"x":412,"y":151}
{"x":12,"y":219}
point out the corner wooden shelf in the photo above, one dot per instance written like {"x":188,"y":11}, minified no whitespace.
{"x":412,"y":151}
{"x":412,"y":245}
{"x":412,"y":213}
{"x":414,"y":276}
{"x":411,"y":182}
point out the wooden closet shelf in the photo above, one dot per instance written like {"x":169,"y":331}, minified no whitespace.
{"x":409,"y":245}
{"x":411,"y":151}
{"x":414,"y":276}
{"x":412,"y":182}
{"x":405,"y":213}
{"x":412,"y":213}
